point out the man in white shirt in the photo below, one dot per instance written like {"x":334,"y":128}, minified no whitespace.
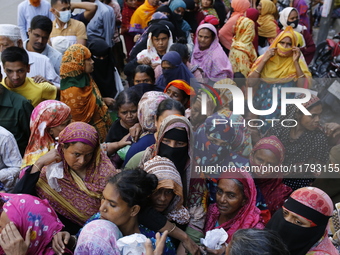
{"x":38,"y":35}
{"x":41,"y":69}
{"x":10,"y":160}
{"x":27,"y":10}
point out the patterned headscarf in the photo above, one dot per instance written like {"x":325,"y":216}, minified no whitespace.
{"x":271,"y":143}
{"x":27,"y":211}
{"x":247,"y":217}
{"x":47,"y":114}
{"x":98,"y":237}
{"x":147,"y":108}
{"x":78,"y":199}
{"x":73,"y":61}
{"x":225,"y":94}
{"x":268,"y":26}
{"x":169,"y":178}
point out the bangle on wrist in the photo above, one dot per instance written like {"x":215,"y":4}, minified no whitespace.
{"x":37,"y":167}
{"x":301,"y":76}
{"x":257,"y":71}
{"x":172,"y":228}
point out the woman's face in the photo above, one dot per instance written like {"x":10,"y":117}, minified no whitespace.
{"x":4,"y":220}
{"x":204,"y":38}
{"x":295,"y":218}
{"x":128,"y":114}
{"x":165,"y":114}
{"x":174,"y":143}
{"x":160,"y":43}
{"x":229,"y":198}
{"x":113,"y":208}
{"x":286,"y":42}
{"x":132,"y":3}
{"x":142,"y":78}
{"x":177,"y":94}
{"x":89,"y":65}
{"x":293,"y":15}
{"x":311,"y":122}
{"x":54,"y":131}
{"x":78,"y":155}
{"x":161,"y":198}
{"x":180,"y":11}
{"x":166,"y":65}
{"x":259,"y":7}
{"x":206,"y":3}
{"x":264,"y":157}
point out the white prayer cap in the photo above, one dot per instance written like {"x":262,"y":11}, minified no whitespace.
{"x":9,"y":30}
{"x":60,"y":43}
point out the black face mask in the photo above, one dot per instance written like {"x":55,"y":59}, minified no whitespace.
{"x":176,"y":155}
{"x":177,"y":16}
{"x":299,"y":240}
{"x":293,"y":24}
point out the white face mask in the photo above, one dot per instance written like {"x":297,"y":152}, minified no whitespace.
{"x":64,"y":16}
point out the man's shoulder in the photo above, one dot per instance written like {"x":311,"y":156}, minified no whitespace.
{"x":74,"y":22}
{"x":23,"y":4}
{"x":37,"y":56}
{"x":50,"y":52}
{"x":12,"y":97}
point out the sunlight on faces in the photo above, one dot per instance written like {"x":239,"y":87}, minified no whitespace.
{"x":113,"y":208}
{"x":128,"y":114}
{"x":78,"y":155}
{"x":229,"y":198}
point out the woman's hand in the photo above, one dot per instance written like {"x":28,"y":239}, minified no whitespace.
{"x":48,"y":158}
{"x":144,"y":61}
{"x":269,"y":53}
{"x":59,"y":241}
{"x":12,"y":242}
{"x":160,"y":244}
{"x":216,"y":252}
{"x":108,"y":101}
{"x":191,"y":246}
{"x":296,"y":54}
{"x":135,"y":131}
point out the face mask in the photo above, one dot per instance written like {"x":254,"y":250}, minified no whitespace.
{"x":293,"y":24}
{"x":64,"y":16}
{"x":176,"y":155}
{"x":178,"y":17}
{"x":284,"y":52}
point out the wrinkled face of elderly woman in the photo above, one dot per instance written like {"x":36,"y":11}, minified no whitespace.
{"x":205,"y":37}
{"x":310,"y":122}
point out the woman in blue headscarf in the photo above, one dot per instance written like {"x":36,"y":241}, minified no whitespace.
{"x":173,"y":69}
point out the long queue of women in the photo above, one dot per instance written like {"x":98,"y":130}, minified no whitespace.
{"x":90,"y":178}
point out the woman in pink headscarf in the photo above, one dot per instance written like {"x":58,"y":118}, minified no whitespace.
{"x":226,"y":33}
{"x":302,"y":222}
{"x":30,"y":219}
{"x":209,"y":55}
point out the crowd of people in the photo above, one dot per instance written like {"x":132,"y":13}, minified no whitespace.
{"x":116,"y":118}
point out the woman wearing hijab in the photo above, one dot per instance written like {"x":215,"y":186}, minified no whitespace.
{"x":302,"y":8}
{"x":242,"y":53}
{"x":280,"y":67}
{"x":253,"y":14}
{"x":209,"y":55}
{"x":48,"y":119}
{"x":226,"y":33}
{"x":104,"y":69}
{"x":142,"y":15}
{"x":302,"y":222}
{"x":180,"y":91}
{"x":78,"y":179}
{"x":80,"y":92}
{"x":268,"y":28}
{"x":305,"y":143}
{"x":269,"y":151}
{"x":34,"y":220}
{"x":290,"y":17}
{"x":173,"y":69}
{"x":238,"y":211}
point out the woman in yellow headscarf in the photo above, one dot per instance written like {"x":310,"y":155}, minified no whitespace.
{"x":243,"y":54}
{"x":268,"y":28}
{"x":281,"y":66}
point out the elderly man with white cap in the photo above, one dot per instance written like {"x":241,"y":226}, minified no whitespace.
{"x":41,"y":69}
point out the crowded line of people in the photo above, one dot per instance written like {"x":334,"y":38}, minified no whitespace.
{"x":100,"y":149}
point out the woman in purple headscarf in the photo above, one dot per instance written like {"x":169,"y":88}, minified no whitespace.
{"x":209,"y":55}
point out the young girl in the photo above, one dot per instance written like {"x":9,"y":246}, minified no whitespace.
{"x":206,"y":9}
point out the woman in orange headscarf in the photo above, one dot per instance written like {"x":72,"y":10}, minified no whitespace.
{"x":281,"y":66}
{"x":80,"y":92}
{"x":226,"y":33}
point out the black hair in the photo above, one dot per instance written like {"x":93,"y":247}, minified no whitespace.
{"x":13,"y":54}
{"x":256,"y":242}
{"x":158,"y":28}
{"x":41,"y":22}
{"x":134,"y":186}
{"x":125,"y":97}
{"x":169,"y":104}
{"x":53,"y":2}
{"x":182,"y":50}
{"x":145,"y":69}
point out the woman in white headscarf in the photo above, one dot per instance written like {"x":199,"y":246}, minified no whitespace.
{"x":290,"y":17}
